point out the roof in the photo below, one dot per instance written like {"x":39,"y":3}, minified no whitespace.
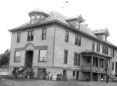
{"x":59,"y":18}
{"x":87,"y":30}
{"x":56,"y":16}
{"x":89,"y":52}
{"x":37,"y":11}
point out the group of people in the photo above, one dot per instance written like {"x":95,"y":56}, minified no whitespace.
{"x":20,"y":72}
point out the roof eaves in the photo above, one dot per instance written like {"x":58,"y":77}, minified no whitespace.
{"x":65,"y":25}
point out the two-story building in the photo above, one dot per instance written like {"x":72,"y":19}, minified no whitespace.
{"x":49,"y":42}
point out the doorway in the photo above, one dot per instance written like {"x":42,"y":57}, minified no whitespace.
{"x":29,"y":58}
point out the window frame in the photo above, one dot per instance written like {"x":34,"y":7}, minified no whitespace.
{"x":66,"y":36}
{"x":30,"y":35}
{"x":44,"y":33}
{"x":77,"y":58}
{"x":77,"y":40}
{"x":65,"y":56}
{"x":113,"y":65}
{"x":41,"y":57}
{"x":105,"y":49}
{"x":74,"y":73}
{"x":93,"y":46}
{"x":15,"y":57}
{"x":18,"y":37}
{"x":98,"y":47}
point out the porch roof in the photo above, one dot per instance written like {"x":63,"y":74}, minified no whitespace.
{"x":89,"y":52}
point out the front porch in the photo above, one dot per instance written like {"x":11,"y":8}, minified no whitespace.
{"x":95,"y":64}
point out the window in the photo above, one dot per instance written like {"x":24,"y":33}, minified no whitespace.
{"x":105,"y":49}
{"x":18,"y":37}
{"x":44,"y":32}
{"x":64,"y":73}
{"x":77,"y":40}
{"x":76,"y":59}
{"x":112,"y":65}
{"x":38,"y":17}
{"x":98,"y":47}
{"x":113,"y":52}
{"x":73,"y":73}
{"x":17,"y":56}
{"x":67,"y":36}
{"x":93,"y":46}
{"x":33,"y":17}
{"x":65,"y":56}
{"x":101,"y":63}
{"x":30,"y":35}
{"x":42,"y":55}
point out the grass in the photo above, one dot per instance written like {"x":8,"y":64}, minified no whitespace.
{"x":53,"y":83}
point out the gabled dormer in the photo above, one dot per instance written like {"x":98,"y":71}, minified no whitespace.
{"x":75,"y":22}
{"x":102,"y":34}
{"x":37,"y":15}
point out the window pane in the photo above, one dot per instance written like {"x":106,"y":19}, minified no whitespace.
{"x":18,"y":37}
{"x":17,"y":53}
{"x":66,"y":36}
{"x":30,"y":35}
{"x":43,"y":55}
{"x":44,"y":32}
{"x":17,"y":56}
{"x":65,"y":56}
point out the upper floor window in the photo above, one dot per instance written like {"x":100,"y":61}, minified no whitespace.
{"x":42,"y":55}
{"x":67,"y":36}
{"x":33,"y":17}
{"x":105,"y":49}
{"x":76,"y":59}
{"x":17,"y":56}
{"x":18,"y":37}
{"x":30,"y":35}
{"x":93,"y":46}
{"x":65,"y":56}
{"x":77,"y":40}
{"x":44,"y":32}
{"x":98,"y":47}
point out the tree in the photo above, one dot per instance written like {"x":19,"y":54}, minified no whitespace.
{"x":4,"y":59}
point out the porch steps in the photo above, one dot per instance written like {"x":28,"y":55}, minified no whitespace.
{"x":111,"y":76}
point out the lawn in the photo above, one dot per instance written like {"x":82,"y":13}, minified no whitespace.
{"x":53,"y":83}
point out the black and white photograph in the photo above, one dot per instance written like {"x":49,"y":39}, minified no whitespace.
{"x":58,"y":43}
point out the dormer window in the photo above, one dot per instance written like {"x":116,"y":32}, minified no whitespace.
{"x":36,"y":16}
{"x":32,"y":17}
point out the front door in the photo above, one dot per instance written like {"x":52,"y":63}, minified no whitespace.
{"x":29,"y":58}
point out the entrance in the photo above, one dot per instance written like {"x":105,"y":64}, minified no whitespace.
{"x":42,"y":73}
{"x":29,"y":58}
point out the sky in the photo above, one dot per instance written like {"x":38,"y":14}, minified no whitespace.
{"x":98,"y":14}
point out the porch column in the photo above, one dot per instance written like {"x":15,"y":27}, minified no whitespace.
{"x":91,"y":74}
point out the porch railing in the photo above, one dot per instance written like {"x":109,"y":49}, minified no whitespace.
{"x":89,"y":68}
